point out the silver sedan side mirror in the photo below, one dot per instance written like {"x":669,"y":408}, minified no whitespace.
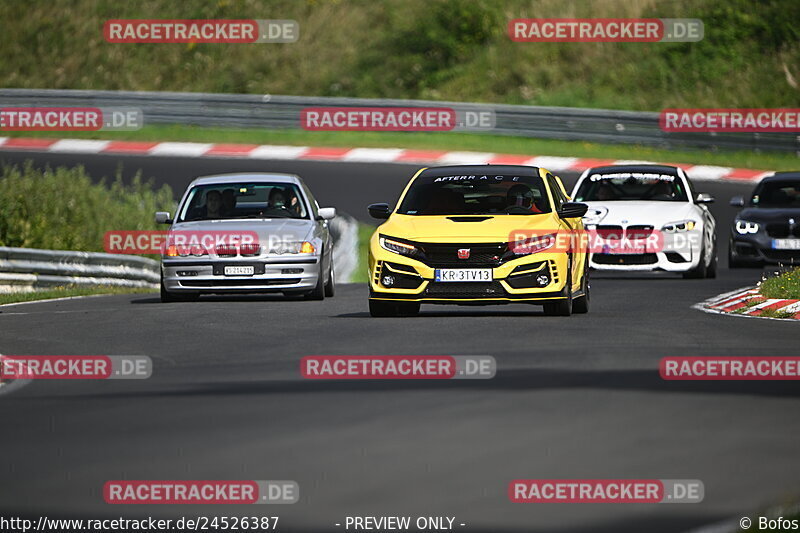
{"x":327,"y":213}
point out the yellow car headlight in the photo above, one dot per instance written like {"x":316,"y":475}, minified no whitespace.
{"x":398,"y":247}
{"x":533,"y":245}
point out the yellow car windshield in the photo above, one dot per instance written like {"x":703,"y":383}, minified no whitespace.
{"x":476,"y":195}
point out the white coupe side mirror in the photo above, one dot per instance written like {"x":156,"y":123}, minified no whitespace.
{"x":704,"y":198}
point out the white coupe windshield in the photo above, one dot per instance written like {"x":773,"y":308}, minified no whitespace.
{"x":632,"y":186}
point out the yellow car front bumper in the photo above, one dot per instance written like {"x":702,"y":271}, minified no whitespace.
{"x":536,"y":278}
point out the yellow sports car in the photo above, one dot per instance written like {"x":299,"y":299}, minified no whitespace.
{"x":479,"y":234}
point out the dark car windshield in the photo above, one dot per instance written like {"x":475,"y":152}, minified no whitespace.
{"x":631,"y":186}
{"x":244,"y":200}
{"x":777,"y":194}
{"x":476,"y":195}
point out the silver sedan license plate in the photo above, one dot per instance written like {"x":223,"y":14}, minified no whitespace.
{"x":239,"y":270}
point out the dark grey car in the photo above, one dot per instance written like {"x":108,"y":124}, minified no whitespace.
{"x":767,"y":230}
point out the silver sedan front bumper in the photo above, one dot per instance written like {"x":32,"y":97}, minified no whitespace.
{"x":270,"y":275}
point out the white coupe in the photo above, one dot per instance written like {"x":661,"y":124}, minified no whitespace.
{"x":647,"y":218}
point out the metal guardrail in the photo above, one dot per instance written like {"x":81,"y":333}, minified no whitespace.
{"x":275,"y":112}
{"x":24,"y":269}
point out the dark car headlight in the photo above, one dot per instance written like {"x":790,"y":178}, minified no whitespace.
{"x":743,"y":227}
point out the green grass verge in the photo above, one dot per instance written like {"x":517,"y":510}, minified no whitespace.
{"x":775,"y":313}
{"x":63,"y":209}
{"x":439,"y":141}
{"x":785,"y":285}
{"x":746,"y":307}
{"x":67,"y":292}
{"x":361,"y":275}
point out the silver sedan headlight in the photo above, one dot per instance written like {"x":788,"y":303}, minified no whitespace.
{"x":299,"y":247}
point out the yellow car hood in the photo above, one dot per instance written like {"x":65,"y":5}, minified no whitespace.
{"x":429,"y":228}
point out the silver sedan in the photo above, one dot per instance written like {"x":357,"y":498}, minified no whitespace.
{"x":243,"y":233}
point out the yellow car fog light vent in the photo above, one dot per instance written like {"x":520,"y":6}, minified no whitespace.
{"x":530,"y":269}
{"x":553,"y":270}
{"x":377,"y":274}
{"x":403,"y":269}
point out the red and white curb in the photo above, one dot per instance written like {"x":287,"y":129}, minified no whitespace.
{"x":752,"y":302}
{"x":360,"y":155}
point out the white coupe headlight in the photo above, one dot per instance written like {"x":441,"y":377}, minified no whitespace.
{"x":743,"y":227}
{"x":680,"y":226}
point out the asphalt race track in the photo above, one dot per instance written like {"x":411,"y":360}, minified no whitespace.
{"x":576,"y":397}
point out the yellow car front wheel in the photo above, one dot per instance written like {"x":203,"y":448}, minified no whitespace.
{"x":581,"y":304}
{"x":562,"y":307}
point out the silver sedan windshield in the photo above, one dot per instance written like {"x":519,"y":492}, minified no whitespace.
{"x":244,"y":200}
